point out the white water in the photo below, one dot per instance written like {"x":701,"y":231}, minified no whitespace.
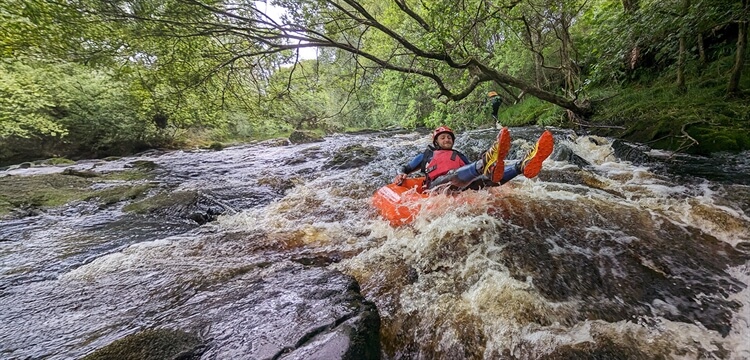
{"x":482,"y":275}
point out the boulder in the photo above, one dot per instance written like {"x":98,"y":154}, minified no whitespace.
{"x":80,"y":173}
{"x":152,"y":344}
{"x":352,"y":156}
{"x":192,"y":205}
{"x":285,"y":311}
{"x":304,"y":137}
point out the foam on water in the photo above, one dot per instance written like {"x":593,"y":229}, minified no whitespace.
{"x":497,"y":273}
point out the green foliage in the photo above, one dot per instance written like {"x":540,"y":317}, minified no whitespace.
{"x":531,"y":111}
{"x":666,"y":118}
{"x":34,"y":28}
{"x":401,"y":99}
{"x":607,"y":36}
{"x":94,"y":78}
{"x":97,"y":110}
{"x":26,"y":107}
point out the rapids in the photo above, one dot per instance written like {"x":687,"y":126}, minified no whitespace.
{"x":613,"y":251}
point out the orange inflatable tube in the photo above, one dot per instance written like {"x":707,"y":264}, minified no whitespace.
{"x":399,"y":204}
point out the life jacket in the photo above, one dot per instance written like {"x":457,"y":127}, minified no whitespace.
{"x":441,"y":162}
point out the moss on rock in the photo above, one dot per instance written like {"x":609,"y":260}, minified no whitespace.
{"x":120,"y":193}
{"x":59,"y":161}
{"x":303,"y":137}
{"x":143,"y":165}
{"x":162,"y":201}
{"x":50,"y":190}
{"x":718,"y":138}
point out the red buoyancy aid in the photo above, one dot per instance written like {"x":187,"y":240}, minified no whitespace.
{"x":443,"y":161}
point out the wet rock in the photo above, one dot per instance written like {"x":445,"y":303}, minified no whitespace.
{"x":145,"y":165}
{"x":280,"y":184}
{"x":412,"y":276}
{"x":321,"y":260}
{"x":58,"y":161}
{"x":743,"y":246}
{"x":628,"y":152}
{"x":564,"y":153}
{"x":80,"y":173}
{"x":275,"y":142}
{"x":201,"y":208}
{"x":304,"y":137}
{"x":216,"y":146}
{"x":304,"y":156}
{"x":655,"y":277}
{"x":287,"y":311}
{"x":156,"y":344}
{"x":352,"y":156}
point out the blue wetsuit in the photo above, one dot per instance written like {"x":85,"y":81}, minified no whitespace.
{"x":463,"y":177}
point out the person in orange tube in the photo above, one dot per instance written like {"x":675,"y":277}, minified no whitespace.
{"x":444,"y":165}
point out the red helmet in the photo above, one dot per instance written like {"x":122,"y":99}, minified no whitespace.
{"x":440,"y":130}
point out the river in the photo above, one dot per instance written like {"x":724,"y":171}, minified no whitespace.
{"x":614,"y":251}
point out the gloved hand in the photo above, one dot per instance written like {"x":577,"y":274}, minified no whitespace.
{"x":399,"y":179}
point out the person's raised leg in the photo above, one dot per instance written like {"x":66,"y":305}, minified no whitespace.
{"x":510,"y":172}
{"x":493,"y":161}
{"x":532,"y":162}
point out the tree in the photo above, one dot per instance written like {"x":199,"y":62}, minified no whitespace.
{"x":733,"y":87}
{"x":25,"y":107}
{"x":682,"y":40}
{"x":446,"y":41}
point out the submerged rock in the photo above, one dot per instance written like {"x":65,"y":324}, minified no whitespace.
{"x":156,"y":344}
{"x":80,"y":173}
{"x":352,"y":156}
{"x":629,"y":152}
{"x":192,"y":205}
{"x":304,"y":137}
{"x":145,"y":165}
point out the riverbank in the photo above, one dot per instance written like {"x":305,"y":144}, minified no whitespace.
{"x":651,"y":110}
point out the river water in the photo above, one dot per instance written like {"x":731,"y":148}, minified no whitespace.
{"x":614,"y":251}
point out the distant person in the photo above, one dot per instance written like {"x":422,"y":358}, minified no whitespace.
{"x":495,"y":101}
{"x":444,"y":165}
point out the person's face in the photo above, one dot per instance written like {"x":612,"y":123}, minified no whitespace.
{"x":445,"y":141}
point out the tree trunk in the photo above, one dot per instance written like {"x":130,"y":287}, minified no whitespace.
{"x":739,"y":59}
{"x":570,"y":70}
{"x":583,"y":109}
{"x":681,"y":64}
{"x":534,"y":38}
{"x":630,"y":7}
{"x":682,"y":55}
{"x":541,"y":79}
{"x":568,"y":65}
{"x":701,"y":52}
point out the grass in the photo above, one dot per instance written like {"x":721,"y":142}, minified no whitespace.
{"x":531,"y":111}
{"x":699,"y":120}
